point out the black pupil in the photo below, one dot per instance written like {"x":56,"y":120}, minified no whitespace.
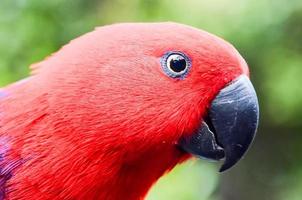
{"x":178,"y":64}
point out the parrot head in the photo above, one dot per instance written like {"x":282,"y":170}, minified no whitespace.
{"x":136,"y":99}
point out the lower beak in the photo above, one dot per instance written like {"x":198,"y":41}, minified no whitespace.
{"x":230,"y":127}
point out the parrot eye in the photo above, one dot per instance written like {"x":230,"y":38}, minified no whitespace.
{"x":175,"y":64}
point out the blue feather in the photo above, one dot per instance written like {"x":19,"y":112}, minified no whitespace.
{"x":3,"y":93}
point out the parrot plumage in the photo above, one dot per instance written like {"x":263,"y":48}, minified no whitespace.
{"x":103,"y":117}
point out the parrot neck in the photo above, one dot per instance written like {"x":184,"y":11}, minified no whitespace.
{"x":134,"y":180}
{"x":62,"y":160}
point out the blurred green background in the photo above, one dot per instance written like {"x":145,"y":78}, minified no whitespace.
{"x":268,"y":33}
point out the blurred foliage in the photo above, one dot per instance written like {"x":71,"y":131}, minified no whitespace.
{"x":267,"y":33}
{"x":186,"y":182}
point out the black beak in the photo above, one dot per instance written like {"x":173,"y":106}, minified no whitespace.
{"x":230,"y":127}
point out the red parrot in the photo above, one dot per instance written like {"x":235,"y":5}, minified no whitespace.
{"x":115,"y":109}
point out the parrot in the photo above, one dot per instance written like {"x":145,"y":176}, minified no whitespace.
{"x":117,"y":108}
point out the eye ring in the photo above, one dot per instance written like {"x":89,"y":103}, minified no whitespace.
{"x":176,"y":64}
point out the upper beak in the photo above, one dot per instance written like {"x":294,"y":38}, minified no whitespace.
{"x":230,"y":127}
